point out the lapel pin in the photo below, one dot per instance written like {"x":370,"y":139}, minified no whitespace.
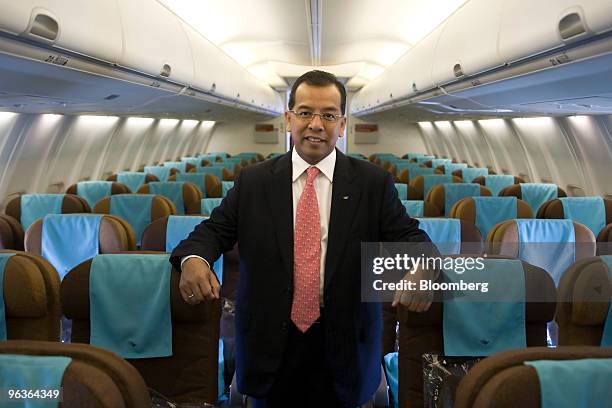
{"x":345,"y":197}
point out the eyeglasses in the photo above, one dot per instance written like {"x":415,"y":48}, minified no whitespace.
{"x":307,"y":116}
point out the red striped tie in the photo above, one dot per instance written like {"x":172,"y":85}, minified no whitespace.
{"x":306,"y":257}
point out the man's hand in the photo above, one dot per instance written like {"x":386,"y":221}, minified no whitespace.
{"x":415,"y":300}
{"x":198,"y":282}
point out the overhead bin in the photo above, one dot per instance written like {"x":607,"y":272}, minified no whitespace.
{"x":468,"y":43}
{"x":154,"y":42}
{"x":87,"y":27}
{"x":409,"y":75}
{"x":218,"y":74}
{"x":530,"y":27}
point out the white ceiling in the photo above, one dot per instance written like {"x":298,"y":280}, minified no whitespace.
{"x":278,"y":40}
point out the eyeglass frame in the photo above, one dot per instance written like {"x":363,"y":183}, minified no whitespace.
{"x":320,"y":115}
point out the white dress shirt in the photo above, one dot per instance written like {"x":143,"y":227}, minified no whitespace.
{"x":323,"y":188}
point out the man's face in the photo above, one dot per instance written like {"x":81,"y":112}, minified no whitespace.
{"x":314,"y":139}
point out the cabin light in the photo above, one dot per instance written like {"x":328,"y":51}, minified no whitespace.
{"x":442,"y":123}
{"x":6,"y":116}
{"x":51,"y":117}
{"x":536,"y":121}
{"x":190,"y":122}
{"x":98,"y":120}
{"x":207,"y":123}
{"x":491,"y":122}
{"x":427,"y":125}
{"x":169,"y":122}
{"x":140,"y":121}
{"x":580,"y":119}
{"x":464,"y":123}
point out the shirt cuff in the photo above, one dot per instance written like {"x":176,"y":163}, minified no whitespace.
{"x":194,"y":256}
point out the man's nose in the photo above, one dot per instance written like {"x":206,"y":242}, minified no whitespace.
{"x":316,"y":123}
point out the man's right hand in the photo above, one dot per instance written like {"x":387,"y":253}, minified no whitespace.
{"x":198,"y":282}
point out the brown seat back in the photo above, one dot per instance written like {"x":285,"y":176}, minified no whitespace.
{"x":437,"y":196}
{"x":113,"y":236}
{"x":584,"y":298}
{"x":553,"y":209}
{"x":481,"y":180}
{"x":70,"y":204}
{"x":465,"y":209}
{"x":11,"y":233}
{"x":31,"y":297}
{"x":504,"y":240}
{"x":148,"y":177}
{"x":418,"y":185}
{"x":191,"y":194}
{"x":190,"y":374}
{"x":116,"y":188}
{"x":504,"y":381}
{"x":94,"y":378}
{"x":424,"y":333}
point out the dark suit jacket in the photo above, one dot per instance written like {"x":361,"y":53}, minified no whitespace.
{"x":258,"y":213}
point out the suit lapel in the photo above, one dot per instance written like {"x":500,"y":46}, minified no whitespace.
{"x":280,"y":199}
{"x":345,"y":199}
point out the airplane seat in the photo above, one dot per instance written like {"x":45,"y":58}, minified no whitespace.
{"x":179,"y":165}
{"x":136,"y":211}
{"x":450,"y":168}
{"x":538,"y":377}
{"x":583,"y":311}
{"x":445,"y":196}
{"x":453,"y":236}
{"x":420,"y":208}
{"x":105,"y":235}
{"x":470,"y":173}
{"x":11,"y":233}
{"x":406,"y":173}
{"x":157,"y":236}
{"x":497,"y":182}
{"x":133,"y":180}
{"x":87,"y":376}
{"x":535,"y":194}
{"x":31,"y":296}
{"x":486,"y":212}
{"x":205,"y":206}
{"x":28,"y":208}
{"x":390,"y":167}
{"x":422,"y":184}
{"x":94,"y":191}
{"x":182,"y":193}
{"x":203,"y":180}
{"x":604,"y":241}
{"x":175,"y":349}
{"x":594,"y":212}
{"x":212,"y":180}
{"x":427,"y":332}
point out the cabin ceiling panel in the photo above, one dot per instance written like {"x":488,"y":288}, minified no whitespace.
{"x":276,"y":38}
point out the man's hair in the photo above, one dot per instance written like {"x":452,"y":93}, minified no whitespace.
{"x":318,"y":78}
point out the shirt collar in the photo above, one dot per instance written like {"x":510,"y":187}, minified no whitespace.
{"x":326,"y":166}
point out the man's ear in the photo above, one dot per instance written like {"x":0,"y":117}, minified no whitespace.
{"x":287,"y":122}
{"x":342,"y":126}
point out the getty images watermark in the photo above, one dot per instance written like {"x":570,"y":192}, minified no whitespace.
{"x":388,"y":267}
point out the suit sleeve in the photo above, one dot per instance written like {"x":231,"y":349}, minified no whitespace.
{"x":214,"y":236}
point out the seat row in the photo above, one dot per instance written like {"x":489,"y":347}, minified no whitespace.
{"x":462,"y":328}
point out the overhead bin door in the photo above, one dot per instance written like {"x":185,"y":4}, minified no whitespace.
{"x":217,"y":73}
{"x":468,"y":43}
{"x":529,"y":27}
{"x":89,"y":27}
{"x":154,"y":41}
{"x":409,"y":75}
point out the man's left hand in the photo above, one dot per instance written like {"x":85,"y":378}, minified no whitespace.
{"x":416,"y":300}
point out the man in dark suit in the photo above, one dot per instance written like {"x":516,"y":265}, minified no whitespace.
{"x":303,"y":335}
